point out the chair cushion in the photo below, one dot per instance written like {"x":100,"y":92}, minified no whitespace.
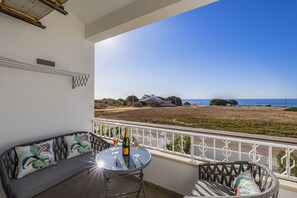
{"x":46,"y":178}
{"x":208,"y":188}
{"x":244,"y":184}
{"x":78,"y":144}
{"x":34,"y":157}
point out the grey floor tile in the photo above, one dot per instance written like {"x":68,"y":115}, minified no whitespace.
{"x":90,"y":185}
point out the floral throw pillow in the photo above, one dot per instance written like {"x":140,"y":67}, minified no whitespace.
{"x":34,"y":157}
{"x":244,"y":184}
{"x":78,"y":144}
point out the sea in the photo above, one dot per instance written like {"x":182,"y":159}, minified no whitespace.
{"x":250,"y":102}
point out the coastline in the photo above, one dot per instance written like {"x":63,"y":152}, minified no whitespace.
{"x":250,"y":102}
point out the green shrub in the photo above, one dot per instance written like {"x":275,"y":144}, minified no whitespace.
{"x":187,"y":103}
{"x":232,"y":102}
{"x":291,"y":109}
{"x":282,"y":167}
{"x":132,"y":99}
{"x":137,"y":104}
{"x":144,"y":104}
{"x":121,"y":100}
{"x":177,"y":141}
{"x":116,"y":102}
{"x":218,"y":102}
{"x":175,"y":100}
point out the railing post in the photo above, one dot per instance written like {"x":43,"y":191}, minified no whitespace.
{"x":108,"y":135}
{"x":112,"y":130}
{"x":150,"y":132}
{"x":288,"y":171}
{"x":192,"y":148}
{"x":120,"y":131}
{"x":157,"y":139}
{"x":142,"y":136}
{"x":254,"y":152}
{"x":239,"y":151}
{"x":165,"y":140}
{"x":131,"y":133}
{"x":108,"y":131}
{"x":173,"y":142}
{"x":182,"y":143}
{"x":101,"y":129}
{"x":214,"y":149}
{"x":270,"y":157}
{"x":93,"y":126}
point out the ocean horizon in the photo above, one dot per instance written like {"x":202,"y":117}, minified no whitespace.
{"x":250,"y":102}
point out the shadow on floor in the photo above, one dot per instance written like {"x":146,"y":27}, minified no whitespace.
{"x":90,"y":185}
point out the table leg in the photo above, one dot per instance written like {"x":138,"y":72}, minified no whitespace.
{"x":105,"y":184}
{"x":141,"y":185}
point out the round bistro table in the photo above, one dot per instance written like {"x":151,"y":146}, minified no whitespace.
{"x":114,"y":162}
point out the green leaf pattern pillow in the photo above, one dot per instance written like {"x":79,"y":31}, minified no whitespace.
{"x":34,"y":157}
{"x":244,"y":185}
{"x":78,"y":144}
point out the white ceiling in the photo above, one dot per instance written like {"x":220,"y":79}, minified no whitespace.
{"x":107,"y":18}
{"x":90,"y":10}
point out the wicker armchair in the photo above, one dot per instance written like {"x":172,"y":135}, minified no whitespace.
{"x":215,"y":179}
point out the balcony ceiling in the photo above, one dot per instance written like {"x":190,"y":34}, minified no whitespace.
{"x":90,"y":10}
{"x":107,"y":18}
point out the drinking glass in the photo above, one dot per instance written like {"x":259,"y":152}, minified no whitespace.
{"x":115,"y":143}
{"x":136,"y":144}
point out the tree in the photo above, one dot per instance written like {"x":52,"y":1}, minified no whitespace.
{"x":187,"y":104}
{"x":175,"y":100}
{"x":132,"y":99}
{"x":218,"y":102}
{"x":232,"y":102}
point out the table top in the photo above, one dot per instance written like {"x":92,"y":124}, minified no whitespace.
{"x":121,"y":164}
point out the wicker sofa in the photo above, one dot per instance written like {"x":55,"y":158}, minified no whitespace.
{"x":40,"y":181}
{"x":215,"y":180}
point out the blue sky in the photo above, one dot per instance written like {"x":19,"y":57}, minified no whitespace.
{"x":228,"y":49}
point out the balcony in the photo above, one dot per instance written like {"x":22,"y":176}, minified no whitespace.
{"x":41,"y":104}
{"x":175,"y":167}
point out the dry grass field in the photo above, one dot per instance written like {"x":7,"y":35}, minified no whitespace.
{"x":247,"y":119}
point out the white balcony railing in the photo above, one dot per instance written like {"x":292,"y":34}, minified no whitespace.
{"x":281,"y":158}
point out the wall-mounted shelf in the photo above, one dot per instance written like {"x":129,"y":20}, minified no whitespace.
{"x":78,"y":79}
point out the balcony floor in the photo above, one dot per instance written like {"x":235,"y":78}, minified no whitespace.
{"x":89,"y":185}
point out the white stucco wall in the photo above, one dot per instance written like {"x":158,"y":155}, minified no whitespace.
{"x":35,"y":105}
{"x":171,"y":172}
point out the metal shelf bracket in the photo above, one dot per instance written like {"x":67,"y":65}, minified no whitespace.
{"x":78,"y":79}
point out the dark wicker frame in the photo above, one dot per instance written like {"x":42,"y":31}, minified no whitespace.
{"x":9,"y":159}
{"x":225,"y":173}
